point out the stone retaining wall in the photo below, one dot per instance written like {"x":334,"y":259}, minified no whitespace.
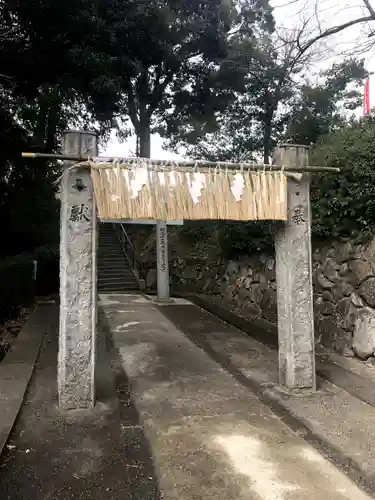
{"x":344,"y":291}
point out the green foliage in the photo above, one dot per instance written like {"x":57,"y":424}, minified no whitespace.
{"x":194,"y":232}
{"x":181,"y":80}
{"x":227,"y":239}
{"x":317,"y":109}
{"x":208,"y":74}
{"x":47,"y":282}
{"x":246,"y":238}
{"x":275,"y":104}
{"x":48,"y":82}
{"x":16,"y":285}
{"x":344,"y":204}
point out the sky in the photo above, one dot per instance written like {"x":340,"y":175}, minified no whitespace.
{"x":290,"y":15}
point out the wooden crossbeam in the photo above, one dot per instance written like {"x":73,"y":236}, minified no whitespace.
{"x":106,"y":162}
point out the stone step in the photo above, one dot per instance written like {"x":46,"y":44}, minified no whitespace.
{"x":116,"y":278}
{"x":114,"y":262}
{"x":112,"y":288}
{"x":111,"y":254}
{"x":116,"y":270}
{"x":114,"y":248}
{"x":125,"y":276}
{"x":104,"y":254}
{"x":118,"y":286}
{"x":122,"y":267}
{"x":124,"y":286}
{"x":106,"y":277}
{"x":109,"y":244}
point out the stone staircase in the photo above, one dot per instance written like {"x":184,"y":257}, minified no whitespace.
{"x":114,"y":271}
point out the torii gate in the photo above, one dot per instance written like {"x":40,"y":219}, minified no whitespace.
{"x":78,"y":293}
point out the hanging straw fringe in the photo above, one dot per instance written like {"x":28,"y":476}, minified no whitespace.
{"x":144,"y":191}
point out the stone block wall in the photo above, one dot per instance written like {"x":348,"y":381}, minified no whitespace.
{"x":344,"y":291}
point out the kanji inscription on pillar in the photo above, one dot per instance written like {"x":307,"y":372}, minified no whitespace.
{"x":79,"y":213}
{"x":298,"y":216}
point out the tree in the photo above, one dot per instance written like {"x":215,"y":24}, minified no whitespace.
{"x":77,"y":61}
{"x":257,"y":115}
{"x":178,"y":75}
{"x":156,"y":62}
{"x":344,"y":204}
{"x":320,"y":108}
{"x":61,"y":63}
{"x":36,"y":104}
{"x":299,"y":112}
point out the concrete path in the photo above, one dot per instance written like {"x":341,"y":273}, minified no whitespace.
{"x":99,"y":454}
{"x":210,"y":436}
{"x":334,"y":420}
{"x":339,"y":371}
{"x":18,"y":365}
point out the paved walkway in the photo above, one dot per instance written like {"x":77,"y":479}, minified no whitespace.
{"x":80,"y":455}
{"x":339,"y":419}
{"x":210,"y":436}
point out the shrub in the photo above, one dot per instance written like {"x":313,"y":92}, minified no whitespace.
{"x":48,"y":270}
{"x":343,"y":205}
{"x":16,"y":285}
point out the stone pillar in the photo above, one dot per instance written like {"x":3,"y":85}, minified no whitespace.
{"x":162,"y":267}
{"x":294,"y":279}
{"x":78,"y":296}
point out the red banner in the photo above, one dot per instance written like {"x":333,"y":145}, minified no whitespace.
{"x":366,"y":98}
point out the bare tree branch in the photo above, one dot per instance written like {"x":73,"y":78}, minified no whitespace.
{"x":334,"y":30}
{"x":369,"y":8}
{"x":364,"y":18}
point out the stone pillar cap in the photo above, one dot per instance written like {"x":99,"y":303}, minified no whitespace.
{"x":86,"y":132}
{"x":291,"y":145}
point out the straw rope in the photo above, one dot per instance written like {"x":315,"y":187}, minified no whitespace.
{"x":144,"y":191}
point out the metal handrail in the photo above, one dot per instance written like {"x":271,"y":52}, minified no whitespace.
{"x":129,"y":245}
{"x":129,"y":252}
{"x":126,"y":243}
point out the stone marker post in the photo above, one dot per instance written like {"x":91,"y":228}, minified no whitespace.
{"x":78,"y":241}
{"x":162,"y":267}
{"x":294,"y":279}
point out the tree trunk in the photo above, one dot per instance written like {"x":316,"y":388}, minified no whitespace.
{"x":267,"y":132}
{"x":267,"y":142}
{"x":145,"y":138}
{"x":144,"y":116}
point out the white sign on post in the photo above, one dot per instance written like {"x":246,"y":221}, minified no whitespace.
{"x":162,"y":261}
